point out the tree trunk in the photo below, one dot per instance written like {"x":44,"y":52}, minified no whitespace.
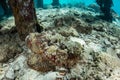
{"x":4,"y":5}
{"x":25,"y":17}
{"x":55,"y":3}
{"x":39,"y":3}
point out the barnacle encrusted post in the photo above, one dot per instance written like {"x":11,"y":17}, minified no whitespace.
{"x":51,"y":51}
{"x":25,"y":17}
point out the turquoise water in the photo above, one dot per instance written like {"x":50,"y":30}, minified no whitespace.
{"x":116,"y":6}
{"x":87,"y":2}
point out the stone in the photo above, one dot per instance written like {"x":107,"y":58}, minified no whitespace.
{"x":80,"y":41}
{"x":109,"y":60}
{"x":115,"y":75}
{"x":111,"y":51}
{"x":10,"y":74}
{"x":3,"y":69}
{"x":98,"y":51}
{"x":107,"y":42}
{"x":51,"y":76}
{"x":95,"y":47}
{"x":68,"y":32}
{"x":15,"y":66}
{"x":30,"y":74}
{"x":50,"y":50}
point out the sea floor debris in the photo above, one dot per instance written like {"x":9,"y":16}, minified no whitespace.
{"x":89,"y":48}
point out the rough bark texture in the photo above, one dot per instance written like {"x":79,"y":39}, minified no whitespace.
{"x":25,"y":17}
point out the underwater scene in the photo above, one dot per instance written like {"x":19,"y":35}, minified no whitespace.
{"x":59,"y":40}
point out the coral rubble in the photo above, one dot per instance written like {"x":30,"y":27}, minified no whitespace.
{"x":75,"y":44}
{"x":51,"y":51}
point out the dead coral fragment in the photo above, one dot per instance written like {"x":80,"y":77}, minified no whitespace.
{"x":50,"y":52}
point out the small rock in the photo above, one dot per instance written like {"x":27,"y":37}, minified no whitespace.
{"x":107,"y":42}
{"x":10,"y":74}
{"x":110,"y":60}
{"x":95,"y":47}
{"x":80,"y":41}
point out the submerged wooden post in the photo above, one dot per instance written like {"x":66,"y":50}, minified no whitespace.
{"x":25,"y":17}
{"x":55,"y":3}
{"x":40,"y":4}
{"x":5,"y":7}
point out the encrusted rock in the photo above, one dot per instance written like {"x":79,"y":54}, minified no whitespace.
{"x":110,"y":60}
{"x":48,"y":52}
{"x":66,"y":19}
{"x":92,"y":56}
{"x":68,"y":31}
